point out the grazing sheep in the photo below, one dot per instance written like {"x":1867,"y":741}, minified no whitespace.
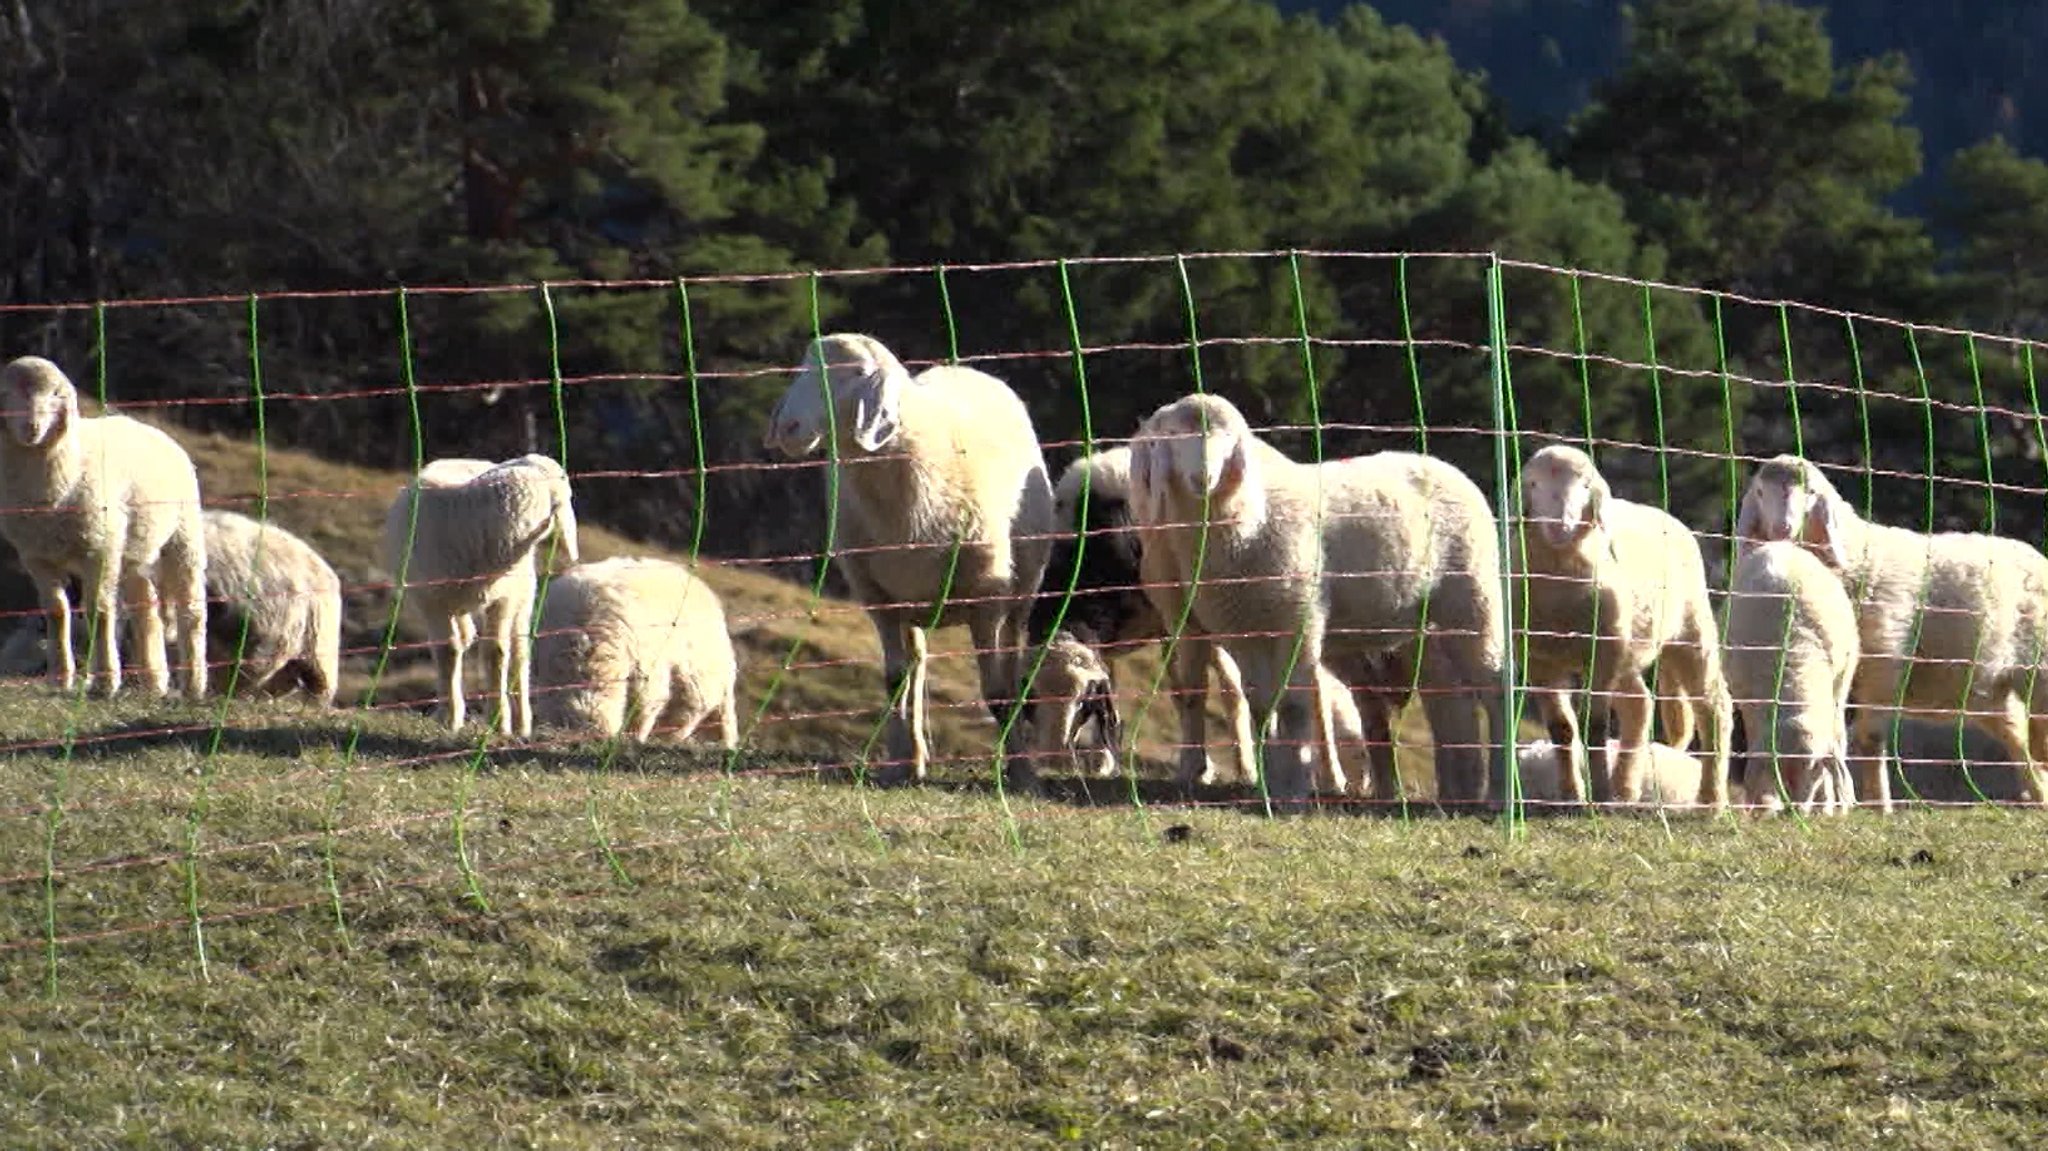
{"x":1073,"y":690}
{"x":113,"y":503}
{"x":924,"y":464}
{"x":475,"y":530}
{"x":1792,"y":652}
{"x":1611,"y":587}
{"x":1952,"y":625}
{"x":1671,"y":777}
{"x":263,"y":577}
{"x":632,"y":644}
{"x":1927,"y":769}
{"x":1111,"y":612}
{"x":1335,"y":565}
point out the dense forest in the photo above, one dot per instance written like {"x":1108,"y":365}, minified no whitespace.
{"x":255,"y":146}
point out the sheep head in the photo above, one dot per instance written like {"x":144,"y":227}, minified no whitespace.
{"x":1105,"y":475}
{"x":38,"y":400}
{"x":1789,"y":499}
{"x":561,"y":502}
{"x":1564,"y":495}
{"x":1073,"y":689}
{"x":1198,"y":448}
{"x":849,"y":382}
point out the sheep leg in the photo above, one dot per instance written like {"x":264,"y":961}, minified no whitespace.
{"x":1187,"y":681}
{"x":497,"y":652}
{"x":519,"y":638}
{"x":1562,"y":725}
{"x":102,"y":602}
{"x":181,"y":580}
{"x":63,"y":669}
{"x":729,"y":721}
{"x":1230,"y":685}
{"x":903,"y":655}
{"x":1631,"y":705}
{"x":1290,"y":741}
{"x":2009,"y":725}
{"x":1867,"y":757}
{"x":1717,"y":726}
{"x":995,"y":654}
{"x":1330,"y":713}
{"x":458,"y":633}
{"x":1378,"y":715}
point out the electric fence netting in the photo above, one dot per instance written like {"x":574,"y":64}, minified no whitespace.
{"x":157,"y":827}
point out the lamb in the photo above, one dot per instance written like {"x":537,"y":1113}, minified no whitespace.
{"x":1792,"y":651}
{"x":1951,"y":626}
{"x":632,"y":645}
{"x":1671,"y":777}
{"x":462,"y":540}
{"x":1109,"y":612}
{"x":270,"y":581}
{"x":113,"y":503}
{"x":1611,"y":587}
{"x":1341,"y":564}
{"x":922,"y":464}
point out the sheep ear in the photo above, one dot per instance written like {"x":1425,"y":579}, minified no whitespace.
{"x":1098,"y":703}
{"x":877,"y":410}
{"x":1823,"y":533}
{"x":1231,"y":475}
{"x":1745,"y":526}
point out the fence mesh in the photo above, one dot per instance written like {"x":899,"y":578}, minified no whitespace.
{"x":143,"y":817}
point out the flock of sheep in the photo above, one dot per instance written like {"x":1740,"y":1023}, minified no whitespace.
{"x":1325,"y":597}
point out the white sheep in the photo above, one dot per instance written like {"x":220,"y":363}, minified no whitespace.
{"x":1792,"y":652}
{"x":1337,"y":565}
{"x":113,"y":503}
{"x":1951,"y":625}
{"x":475,"y":530}
{"x":266,"y":579}
{"x":1671,"y":777}
{"x":1607,"y":587}
{"x":924,"y":464}
{"x":632,"y":645}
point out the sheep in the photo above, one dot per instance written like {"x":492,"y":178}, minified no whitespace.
{"x":1341,"y":564}
{"x":1073,"y":690}
{"x":113,"y":503}
{"x":1792,"y":651}
{"x":1609,"y":587}
{"x":630,"y":644}
{"x":461,"y":540}
{"x":1671,"y":777}
{"x":1110,"y":611}
{"x":273,"y":599}
{"x":927,"y":466}
{"x":1951,"y":625}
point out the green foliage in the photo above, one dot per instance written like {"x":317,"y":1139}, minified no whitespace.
{"x":1760,"y":165}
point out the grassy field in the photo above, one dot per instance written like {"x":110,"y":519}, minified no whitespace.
{"x":253,"y":924}
{"x":653,"y":953}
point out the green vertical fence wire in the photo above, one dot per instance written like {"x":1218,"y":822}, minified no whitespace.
{"x":1513,"y":818}
{"x":337,"y":791}
{"x":817,"y":592}
{"x":1591,"y":695}
{"x":593,"y":814}
{"x":1318,"y":742}
{"x":195,"y":819}
{"x":1421,"y":448}
{"x":1663,"y":480}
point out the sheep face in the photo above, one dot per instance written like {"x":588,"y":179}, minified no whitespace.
{"x":1563,"y":495}
{"x":1789,"y":499}
{"x":39,"y":400}
{"x":847,"y":382}
{"x":1200,"y":447}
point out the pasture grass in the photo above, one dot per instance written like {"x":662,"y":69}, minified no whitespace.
{"x":772,"y":958}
